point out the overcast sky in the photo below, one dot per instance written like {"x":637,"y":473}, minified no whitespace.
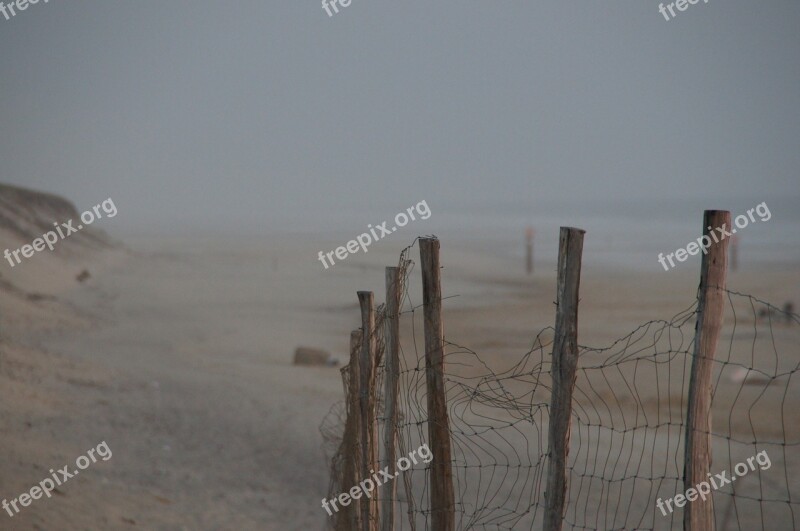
{"x":272,"y":114}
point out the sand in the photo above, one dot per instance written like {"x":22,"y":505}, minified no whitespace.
{"x":177,"y":353}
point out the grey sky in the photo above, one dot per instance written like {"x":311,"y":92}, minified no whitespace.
{"x":268,"y":113}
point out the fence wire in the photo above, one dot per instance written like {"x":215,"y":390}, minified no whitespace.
{"x":628,"y":425}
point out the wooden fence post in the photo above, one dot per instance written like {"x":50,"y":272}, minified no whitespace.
{"x":369,"y":425}
{"x":394,"y":292}
{"x":529,"y":232}
{"x":699,"y":514}
{"x":564,"y":367}
{"x":441,"y":478}
{"x":349,"y":518}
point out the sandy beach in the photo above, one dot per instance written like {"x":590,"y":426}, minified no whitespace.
{"x":178,"y":354}
{"x":198,"y":201}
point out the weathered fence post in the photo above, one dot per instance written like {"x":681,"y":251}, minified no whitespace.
{"x":442,"y":497}
{"x":369,"y":425}
{"x":529,"y":232}
{"x":349,"y":518}
{"x":564,"y":367}
{"x":391,"y":389}
{"x":699,"y":514}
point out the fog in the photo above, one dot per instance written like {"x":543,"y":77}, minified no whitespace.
{"x":273,"y":116}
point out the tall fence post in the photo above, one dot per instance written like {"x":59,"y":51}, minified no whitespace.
{"x":699,"y":514}
{"x":391,"y":390}
{"x":349,"y":517}
{"x":441,"y":478}
{"x":369,"y":436}
{"x":564,"y":367}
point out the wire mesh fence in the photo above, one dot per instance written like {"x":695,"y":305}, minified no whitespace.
{"x":628,"y":424}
